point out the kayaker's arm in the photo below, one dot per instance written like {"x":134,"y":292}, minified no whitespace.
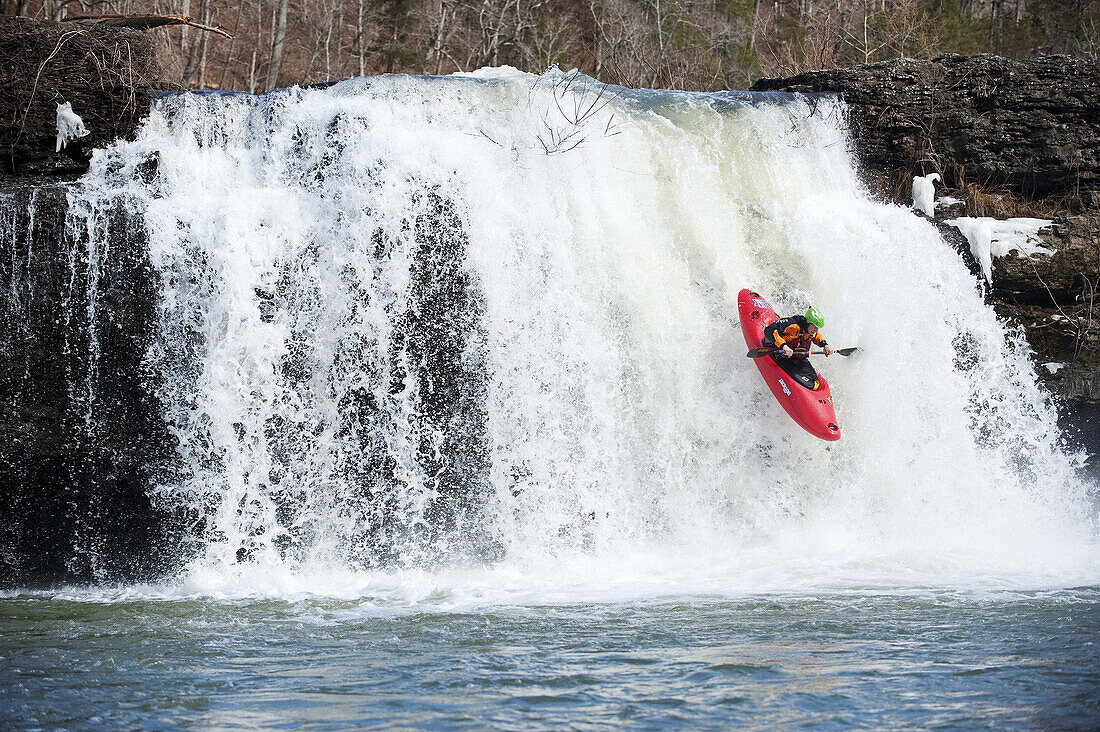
{"x":774,"y":334}
{"x":781,"y":344}
{"x":819,"y":339}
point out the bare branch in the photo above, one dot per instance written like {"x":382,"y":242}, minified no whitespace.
{"x":145,"y":22}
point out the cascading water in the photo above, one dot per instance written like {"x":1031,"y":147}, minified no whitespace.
{"x":415,"y":323}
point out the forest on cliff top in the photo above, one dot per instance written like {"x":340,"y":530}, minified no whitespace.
{"x":681,"y":44}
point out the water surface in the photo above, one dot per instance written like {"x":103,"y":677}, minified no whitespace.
{"x":917,"y":658}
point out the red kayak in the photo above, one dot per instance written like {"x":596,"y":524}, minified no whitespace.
{"x":794,"y":382}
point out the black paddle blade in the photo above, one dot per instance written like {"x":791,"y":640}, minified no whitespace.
{"x":758,"y":352}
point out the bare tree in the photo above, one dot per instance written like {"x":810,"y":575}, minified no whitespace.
{"x":689,"y":44}
{"x":278,"y":39}
{"x":14,"y":7}
{"x":502,"y":25}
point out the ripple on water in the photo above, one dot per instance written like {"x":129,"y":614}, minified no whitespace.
{"x":883,"y":661}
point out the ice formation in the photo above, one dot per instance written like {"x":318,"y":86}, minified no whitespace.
{"x":924,"y":193}
{"x":991,"y":238}
{"x":69,"y":125}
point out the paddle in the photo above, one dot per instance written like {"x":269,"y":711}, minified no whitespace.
{"x":758,"y":352}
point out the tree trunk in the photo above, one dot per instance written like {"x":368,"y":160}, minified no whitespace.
{"x":232,"y":44}
{"x":439,"y":38}
{"x":755,"y":21}
{"x":204,"y":14}
{"x":13,"y":7}
{"x":359,"y":40}
{"x":277,"y":41}
{"x":597,"y":40}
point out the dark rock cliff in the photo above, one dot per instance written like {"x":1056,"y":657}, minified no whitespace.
{"x":1031,"y":126}
{"x":1010,"y":138}
{"x":81,"y":437}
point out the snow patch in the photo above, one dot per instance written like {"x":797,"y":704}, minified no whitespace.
{"x":990,"y":238}
{"x":1054,"y":368}
{"x":494,"y":72}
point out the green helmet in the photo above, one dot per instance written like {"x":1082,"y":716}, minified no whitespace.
{"x":814,"y":317}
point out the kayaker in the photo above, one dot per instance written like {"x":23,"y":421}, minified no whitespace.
{"x":797,"y":332}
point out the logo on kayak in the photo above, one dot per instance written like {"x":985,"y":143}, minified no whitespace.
{"x":785,"y":389}
{"x":761,"y":303}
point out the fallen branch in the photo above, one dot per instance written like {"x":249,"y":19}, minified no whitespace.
{"x":145,"y":22}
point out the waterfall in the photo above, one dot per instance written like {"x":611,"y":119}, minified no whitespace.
{"x":405,"y":323}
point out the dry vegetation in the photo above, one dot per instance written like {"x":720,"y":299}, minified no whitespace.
{"x":686,"y":44}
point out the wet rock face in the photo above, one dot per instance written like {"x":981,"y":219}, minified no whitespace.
{"x":107,"y":74}
{"x":81,"y":439}
{"x":1033,"y":126}
{"x":1029,"y":129}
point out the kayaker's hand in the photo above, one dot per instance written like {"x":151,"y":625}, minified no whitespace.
{"x":788,"y":352}
{"x":829,"y":351}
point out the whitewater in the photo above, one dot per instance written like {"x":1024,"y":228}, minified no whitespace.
{"x":473,"y":340}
